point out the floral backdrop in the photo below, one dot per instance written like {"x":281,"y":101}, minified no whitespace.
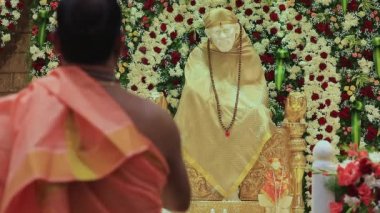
{"x":10,"y":12}
{"x":329,"y":46}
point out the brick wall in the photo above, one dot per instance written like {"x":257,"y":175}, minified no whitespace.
{"x":14,"y":61}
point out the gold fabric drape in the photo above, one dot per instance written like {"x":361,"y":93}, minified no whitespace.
{"x":224,"y":162}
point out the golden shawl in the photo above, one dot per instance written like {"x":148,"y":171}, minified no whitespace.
{"x":223,"y":161}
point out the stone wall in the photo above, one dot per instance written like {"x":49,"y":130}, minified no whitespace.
{"x":14,"y":60}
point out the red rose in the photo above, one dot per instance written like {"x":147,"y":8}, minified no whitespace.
{"x":319,"y":137}
{"x":257,"y":1}
{"x":333,"y":80}
{"x":273,"y":31}
{"x":365,"y":166}
{"x":267,"y":58}
{"x":273,"y":16}
{"x":365,"y":194}
{"x":269,"y":76}
{"x":163,"y":27}
{"x":8,"y":4}
{"x":239,"y":3}
{"x":176,"y":81}
{"x":11,"y":27}
{"x":152,"y":34}
{"x":322,"y":66}
{"x":202,"y":10}
{"x":334,"y":114}
{"x":289,"y":26}
{"x":344,"y":62}
{"x":368,"y":55}
{"x":190,"y":21}
{"x":169,"y":9}
{"x":193,"y":2}
{"x":142,"y":49}
{"x":157,"y":49}
{"x":134,"y":88}
{"x":193,"y":37}
{"x":176,"y":56}
{"x":20,"y":5}
{"x":367,"y":26}
{"x":164,"y":41}
{"x":229,"y":8}
{"x":145,"y":61}
{"x":311,"y":77}
{"x":178,"y":18}
{"x":314,"y":96}
{"x":248,"y":12}
{"x":324,"y":55}
{"x":328,"y":102}
{"x":143,"y":79}
{"x":150,"y":86}
{"x":353,"y":6}
{"x":298,"y":30}
{"x":322,"y":121}
{"x":54,"y":5}
{"x":256,"y":35}
{"x":345,"y":113}
{"x":308,"y":58}
{"x":293,"y":56}
{"x":336,"y":207}
{"x":281,"y":100}
{"x":367,"y":91}
{"x":324,"y":85}
{"x":321,"y":106}
{"x":300,"y":47}
{"x":173,"y":35}
{"x":348,"y":175}
{"x":320,"y":78}
{"x":298,"y":17}
{"x":38,"y":64}
{"x":371,"y":133}
{"x":34,"y":29}
{"x":320,"y":27}
{"x":266,"y":8}
{"x":282,"y":7}
{"x":313,"y":39}
{"x":329,"y":129}
{"x":301,"y":82}
{"x":148,"y":4}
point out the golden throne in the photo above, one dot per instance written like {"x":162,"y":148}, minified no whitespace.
{"x":286,"y":144}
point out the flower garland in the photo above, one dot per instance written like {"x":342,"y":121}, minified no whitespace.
{"x":351,"y":26}
{"x":10,"y":12}
{"x":157,"y":47}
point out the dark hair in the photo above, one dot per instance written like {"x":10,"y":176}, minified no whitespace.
{"x":87,"y":29}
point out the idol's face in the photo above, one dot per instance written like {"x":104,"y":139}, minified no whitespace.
{"x":223,"y":36}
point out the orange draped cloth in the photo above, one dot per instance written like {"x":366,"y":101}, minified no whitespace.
{"x":67,"y":146}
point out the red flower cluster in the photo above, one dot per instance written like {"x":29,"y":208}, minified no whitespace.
{"x":355,"y":180}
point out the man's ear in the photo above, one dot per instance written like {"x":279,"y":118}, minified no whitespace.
{"x":56,"y":43}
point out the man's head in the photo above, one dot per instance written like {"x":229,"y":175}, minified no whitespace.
{"x":222,"y":27}
{"x":88,"y":30}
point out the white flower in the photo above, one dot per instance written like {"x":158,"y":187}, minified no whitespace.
{"x":43,"y":2}
{"x":5,"y":22}
{"x":350,"y":21}
{"x":324,"y":2}
{"x":374,"y":157}
{"x":52,"y":64}
{"x":351,"y":201}
{"x":365,"y":65}
{"x":6,"y":37}
{"x":16,"y":15}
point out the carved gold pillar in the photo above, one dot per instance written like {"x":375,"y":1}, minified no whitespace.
{"x":294,"y":113}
